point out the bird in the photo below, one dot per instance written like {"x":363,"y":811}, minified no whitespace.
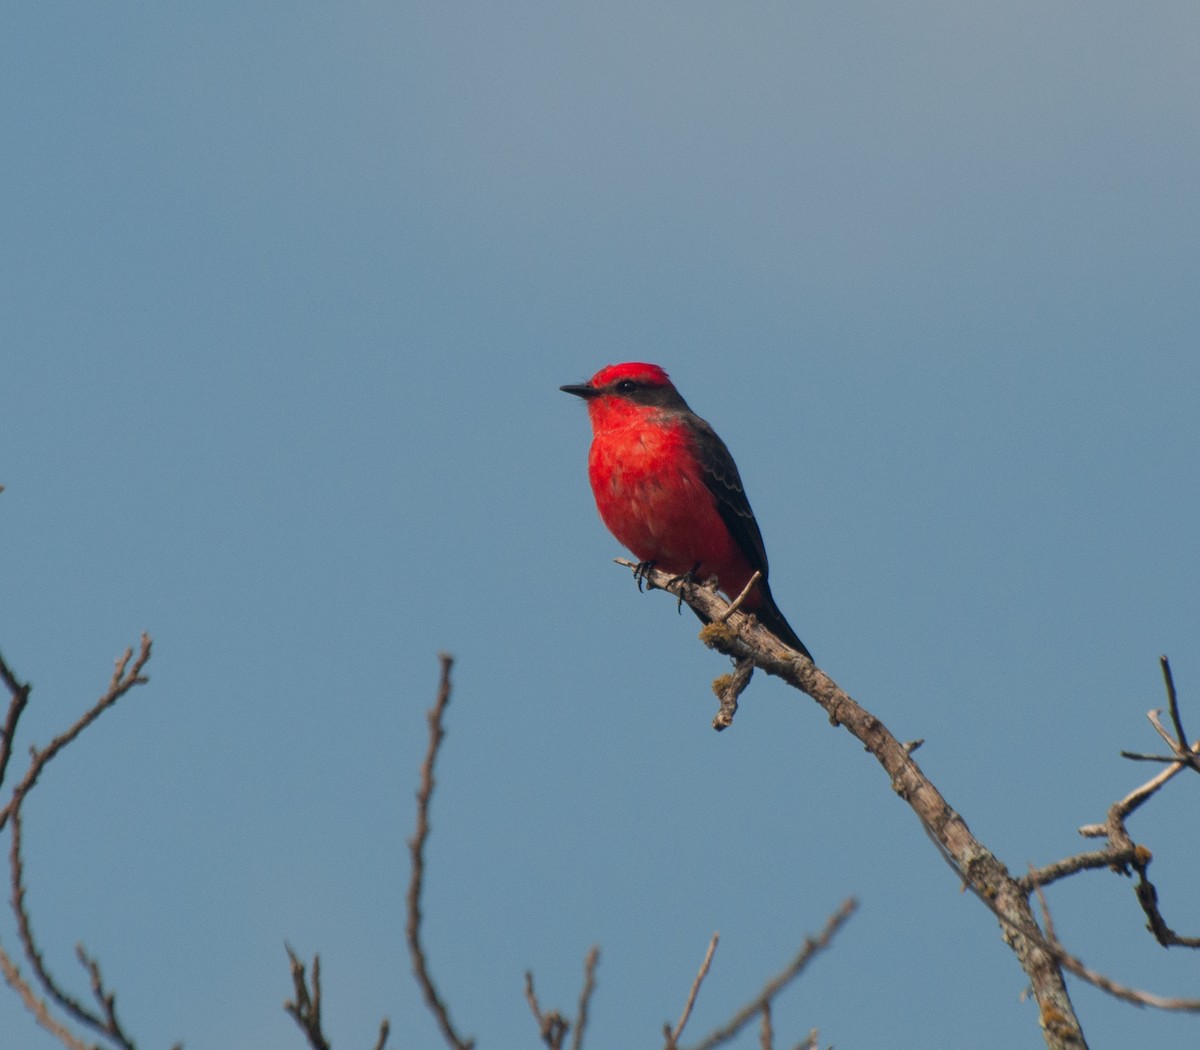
{"x":668,"y":489}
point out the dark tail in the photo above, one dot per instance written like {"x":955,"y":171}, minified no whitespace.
{"x":772,"y":619}
{"x":764,"y":608}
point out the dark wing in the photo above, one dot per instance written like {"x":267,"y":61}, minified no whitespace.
{"x":723,"y":481}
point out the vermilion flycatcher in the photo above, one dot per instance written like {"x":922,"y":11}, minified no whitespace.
{"x":668,"y":489}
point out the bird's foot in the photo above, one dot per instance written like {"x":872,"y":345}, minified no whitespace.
{"x":641,"y":573}
{"x":687,"y":578}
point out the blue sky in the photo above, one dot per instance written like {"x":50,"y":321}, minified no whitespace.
{"x":287,"y":293}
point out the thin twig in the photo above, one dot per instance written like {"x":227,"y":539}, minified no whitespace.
{"x":306,"y":1007}
{"x":417,"y":846}
{"x":16,"y":865}
{"x":19,"y":697}
{"x":585,"y":997}
{"x":1099,"y":980}
{"x":1173,"y":701}
{"x":552,"y":1026}
{"x":1061,"y":869}
{"x":673,"y":1034}
{"x":124,"y":678}
{"x":737,"y":602}
{"x":1123,"y":852}
{"x":1122,"y":809}
{"x":766,"y":1034}
{"x":105,"y":999}
{"x":36,"y":1006}
{"x":812,"y":945}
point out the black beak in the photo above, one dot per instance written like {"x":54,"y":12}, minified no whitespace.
{"x":582,"y":390}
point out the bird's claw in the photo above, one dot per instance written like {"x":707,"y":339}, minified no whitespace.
{"x":641,"y":573}
{"x":687,"y":579}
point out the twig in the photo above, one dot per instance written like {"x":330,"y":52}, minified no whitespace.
{"x":106,"y":1000}
{"x":737,"y":602}
{"x":1126,"y":854}
{"x":1122,"y":809}
{"x":105,"y":1023}
{"x":19,"y":697}
{"x":728,"y":687}
{"x":1106,"y":984}
{"x":552,"y":1026}
{"x":766,"y":1037}
{"x":306,"y":1007}
{"x":1060,"y":869}
{"x":673,"y":1034}
{"x":417,"y":847}
{"x":124,"y":678}
{"x":1181,"y":751}
{"x":812,"y":945}
{"x":585,"y":996}
{"x":1173,"y":703}
{"x":36,"y":1006}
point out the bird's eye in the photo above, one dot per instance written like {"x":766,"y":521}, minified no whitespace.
{"x":626,"y":386}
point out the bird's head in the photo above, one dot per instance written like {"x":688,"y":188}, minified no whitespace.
{"x":618,"y":392}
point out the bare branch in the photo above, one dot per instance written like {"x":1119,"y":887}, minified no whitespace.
{"x":674,"y":1034}
{"x":102,"y":1020}
{"x":811,"y":1041}
{"x":306,"y":1007}
{"x":1122,"y":850}
{"x":1181,"y":751}
{"x":19,"y":697}
{"x":766,"y":1036}
{"x":812,"y":945}
{"x":1106,"y":984}
{"x":1060,"y":869}
{"x":1122,"y":809}
{"x":585,"y":996}
{"x":728,"y":687}
{"x":417,"y":847}
{"x":124,"y":678}
{"x":106,"y":1000}
{"x":552,"y":1026}
{"x":1147,"y":897}
{"x":36,"y":1006}
{"x":737,"y":602}
{"x":742,"y":636}
{"x":1173,"y":705}
{"x":106,"y":1024}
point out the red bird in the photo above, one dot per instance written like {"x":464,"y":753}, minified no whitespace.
{"x":668,"y":489}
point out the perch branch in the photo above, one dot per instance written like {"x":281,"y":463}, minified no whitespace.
{"x":742,"y":636}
